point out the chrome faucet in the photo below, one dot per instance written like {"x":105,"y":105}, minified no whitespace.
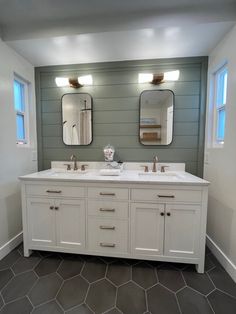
{"x":73,"y":158}
{"x":154,"y":166}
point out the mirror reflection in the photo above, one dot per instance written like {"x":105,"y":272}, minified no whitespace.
{"x":77,"y":119}
{"x":156,"y":117}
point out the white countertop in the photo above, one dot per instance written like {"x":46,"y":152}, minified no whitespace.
{"x":126,"y":176}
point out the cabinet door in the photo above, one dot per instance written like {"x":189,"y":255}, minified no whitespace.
{"x":41,"y":222}
{"x":147,"y":229}
{"x":182,"y":229}
{"x":70,"y":224}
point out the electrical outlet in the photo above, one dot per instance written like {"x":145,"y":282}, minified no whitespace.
{"x":34,"y":155}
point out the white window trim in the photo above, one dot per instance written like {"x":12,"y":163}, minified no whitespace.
{"x":25,"y":113}
{"x":213,"y":109}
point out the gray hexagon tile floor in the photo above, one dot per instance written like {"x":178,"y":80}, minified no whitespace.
{"x":53,"y":283}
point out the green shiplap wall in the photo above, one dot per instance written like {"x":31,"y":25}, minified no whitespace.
{"x":115,"y":94}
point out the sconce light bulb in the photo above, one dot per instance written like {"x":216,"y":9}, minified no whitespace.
{"x":62,"y":81}
{"x":171,"y":76}
{"x":85,"y":80}
{"x":145,"y":77}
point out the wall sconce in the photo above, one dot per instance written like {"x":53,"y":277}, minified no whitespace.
{"x":73,"y":82}
{"x":158,"y":78}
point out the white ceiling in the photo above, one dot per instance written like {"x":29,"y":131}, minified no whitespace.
{"x":49,"y":32}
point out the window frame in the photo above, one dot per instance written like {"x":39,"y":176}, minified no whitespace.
{"x":25,"y":113}
{"x":215,"y":108}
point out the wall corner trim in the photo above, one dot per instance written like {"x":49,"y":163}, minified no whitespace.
{"x":223,"y":259}
{"x":11,"y":245}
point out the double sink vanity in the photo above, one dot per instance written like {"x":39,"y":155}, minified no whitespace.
{"x":143,"y":215}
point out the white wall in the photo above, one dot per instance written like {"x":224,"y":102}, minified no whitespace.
{"x":14,"y":161}
{"x":221,"y":168}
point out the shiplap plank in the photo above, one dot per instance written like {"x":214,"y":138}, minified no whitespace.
{"x":122,"y":141}
{"x":51,"y":106}
{"x":186,"y":128}
{"x":125,"y":90}
{"x":181,"y":128}
{"x":121,"y":76}
{"x":128,"y":154}
{"x":187,"y":102}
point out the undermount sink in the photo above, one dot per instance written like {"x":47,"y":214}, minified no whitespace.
{"x":167,"y":174}
{"x":59,"y":172}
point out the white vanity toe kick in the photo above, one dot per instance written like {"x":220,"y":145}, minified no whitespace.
{"x":131,"y":216}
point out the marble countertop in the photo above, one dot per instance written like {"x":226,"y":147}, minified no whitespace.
{"x":126,"y":176}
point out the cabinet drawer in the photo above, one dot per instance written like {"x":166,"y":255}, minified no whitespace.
{"x":166,"y":195}
{"x":108,"y":208}
{"x":108,"y":193}
{"x":55,"y":190}
{"x":107,"y":235}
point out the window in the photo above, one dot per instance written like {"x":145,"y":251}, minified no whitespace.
{"x":21,"y":106}
{"x":219,"y":104}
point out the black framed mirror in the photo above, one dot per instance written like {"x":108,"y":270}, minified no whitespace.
{"x":77,"y":119}
{"x":156,"y":117}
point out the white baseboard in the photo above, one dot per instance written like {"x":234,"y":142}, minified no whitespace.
{"x":10,"y":245}
{"x":222,"y":258}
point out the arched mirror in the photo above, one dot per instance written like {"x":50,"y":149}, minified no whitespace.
{"x":77,"y":119}
{"x":156,"y":117}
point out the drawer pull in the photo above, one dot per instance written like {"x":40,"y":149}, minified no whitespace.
{"x":107,"y":227}
{"x":162,"y":214}
{"x":107,"y":194}
{"x":107,"y":209}
{"x":53,"y":191}
{"x":51,"y":207}
{"x":166,"y":196}
{"x":107,"y":244}
{"x":56,"y":207}
{"x":168,"y":214}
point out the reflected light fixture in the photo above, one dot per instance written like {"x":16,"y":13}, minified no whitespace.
{"x":158,"y":78}
{"x":74,"y":82}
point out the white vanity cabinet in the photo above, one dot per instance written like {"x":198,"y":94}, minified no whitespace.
{"x":165,"y":222}
{"x":54,"y":221}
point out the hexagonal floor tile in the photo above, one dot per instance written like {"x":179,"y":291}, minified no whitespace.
{"x":48,"y":265}
{"x":222,"y":303}
{"x":72,"y":292}
{"x":9,"y":260}
{"x":199,"y":282}
{"x":119,"y":272}
{"x":94,"y":269}
{"x":5,"y":276}
{"x":144,"y":275}
{"x":209,"y":264}
{"x":19,"y":286}
{"x":113,"y":311}
{"x":45,"y":289}
{"x":161,"y":300}
{"x":71,"y":266}
{"x":1,"y":302}
{"x":223,"y":281}
{"x":192,"y":302}
{"x":81,"y":309}
{"x":171,"y":278}
{"x":101,"y":296}
{"x":20,"y":306}
{"x":131,"y":299}
{"x":20,"y":249}
{"x":48,"y":308}
{"x":26,"y":263}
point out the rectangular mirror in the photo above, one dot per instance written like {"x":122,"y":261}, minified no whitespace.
{"x":77,"y":119}
{"x":156,"y":117}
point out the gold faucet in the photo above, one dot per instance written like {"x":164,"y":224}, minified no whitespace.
{"x":73,"y":158}
{"x":154,"y":167}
